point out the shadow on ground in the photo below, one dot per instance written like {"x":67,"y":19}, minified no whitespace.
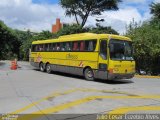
{"x":113,"y":82}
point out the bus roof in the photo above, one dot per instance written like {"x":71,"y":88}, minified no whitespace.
{"x":82,"y":36}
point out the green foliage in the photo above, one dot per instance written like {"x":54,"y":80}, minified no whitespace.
{"x":26,"y":45}
{"x":155,"y":10}
{"x":84,"y":8}
{"x":103,"y":30}
{"x":146,"y":38}
{"x":146,"y":42}
{"x":16,"y":43}
{"x":9,"y":46}
{"x":72,"y":29}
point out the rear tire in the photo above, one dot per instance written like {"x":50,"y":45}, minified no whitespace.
{"x":41,"y":67}
{"x":88,"y":74}
{"x":48,"y":68}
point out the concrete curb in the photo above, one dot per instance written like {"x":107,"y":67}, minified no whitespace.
{"x":146,"y":76}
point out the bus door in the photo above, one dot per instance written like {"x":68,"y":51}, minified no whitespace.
{"x":103,"y":59}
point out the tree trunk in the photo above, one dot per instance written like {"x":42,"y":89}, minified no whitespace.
{"x":76,"y":19}
{"x":85,"y":19}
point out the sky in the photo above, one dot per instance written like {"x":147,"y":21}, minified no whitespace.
{"x":38,"y":15}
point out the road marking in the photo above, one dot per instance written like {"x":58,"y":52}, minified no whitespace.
{"x":124,"y":110}
{"x":57,"y":94}
{"x":61,"y":107}
{"x":145,"y":76}
{"x":65,"y":93}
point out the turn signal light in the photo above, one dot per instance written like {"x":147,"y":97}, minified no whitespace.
{"x":110,"y":70}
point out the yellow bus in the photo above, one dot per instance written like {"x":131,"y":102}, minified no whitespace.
{"x":102,"y":56}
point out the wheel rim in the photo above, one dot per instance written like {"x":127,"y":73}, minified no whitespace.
{"x":89,"y":74}
{"x":41,"y":67}
{"x":48,"y":68}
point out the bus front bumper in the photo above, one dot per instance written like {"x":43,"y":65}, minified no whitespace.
{"x":112,"y":76}
{"x":105,"y":75}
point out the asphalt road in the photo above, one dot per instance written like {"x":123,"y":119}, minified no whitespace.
{"x":29,"y":93}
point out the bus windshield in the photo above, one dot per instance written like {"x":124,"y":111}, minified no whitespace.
{"x":120,"y":50}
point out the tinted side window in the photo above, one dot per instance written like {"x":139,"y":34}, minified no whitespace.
{"x":41,"y":47}
{"x":82,"y":45}
{"x":57,"y":48}
{"x":53,"y":47}
{"x":76,"y":46}
{"x":50,"y":47}
{"x":103,"y":49}
{"x":90,"y":45}
{"x":69,"y":46}
{"x":33,"y":49}
{"x":62,"y":46}
{"x":37,"y":48}
{"x":47,"y":47}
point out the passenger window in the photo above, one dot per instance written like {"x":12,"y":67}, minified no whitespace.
{"x":94,"y":44}
{"x":90,"y":48}
{"x":37,"y":48}
{"x":68,"y":46}
{"x":53,"y":47}
{"x":50,"y":47}
{"x":41,"y":47}
{"x":82,"y":46}
{"x":90,"y":45}
{"x":75,"y":46}
{"x":103,"y":49}
{"x":58,"y":47}
{"x":86,"y":45}
{"x":47,"y":47}
{"x":33,"y":48}
{"x":62,"y":46}
{"x":44,"y":47}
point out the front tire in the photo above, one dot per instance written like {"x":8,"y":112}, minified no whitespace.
{"x":48,"y":68}
{"x":88,"y":74}
{"x":41,"y":67}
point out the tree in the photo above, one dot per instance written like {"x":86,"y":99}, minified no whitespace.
{"x":26,"y":45}
{"x":84,"y":8}
{"x":155,"y":10}
{"x":9,"y":46}
{"x":146,"y":45}
{"x":102,"y":30}
{"x":72,"y":29}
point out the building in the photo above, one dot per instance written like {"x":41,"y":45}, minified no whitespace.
{"x":56,"y":27}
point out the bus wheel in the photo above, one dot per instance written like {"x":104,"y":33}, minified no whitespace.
{"x":88,"y":74}
{"x":48,"y":68}
{"x":41,"y":67}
